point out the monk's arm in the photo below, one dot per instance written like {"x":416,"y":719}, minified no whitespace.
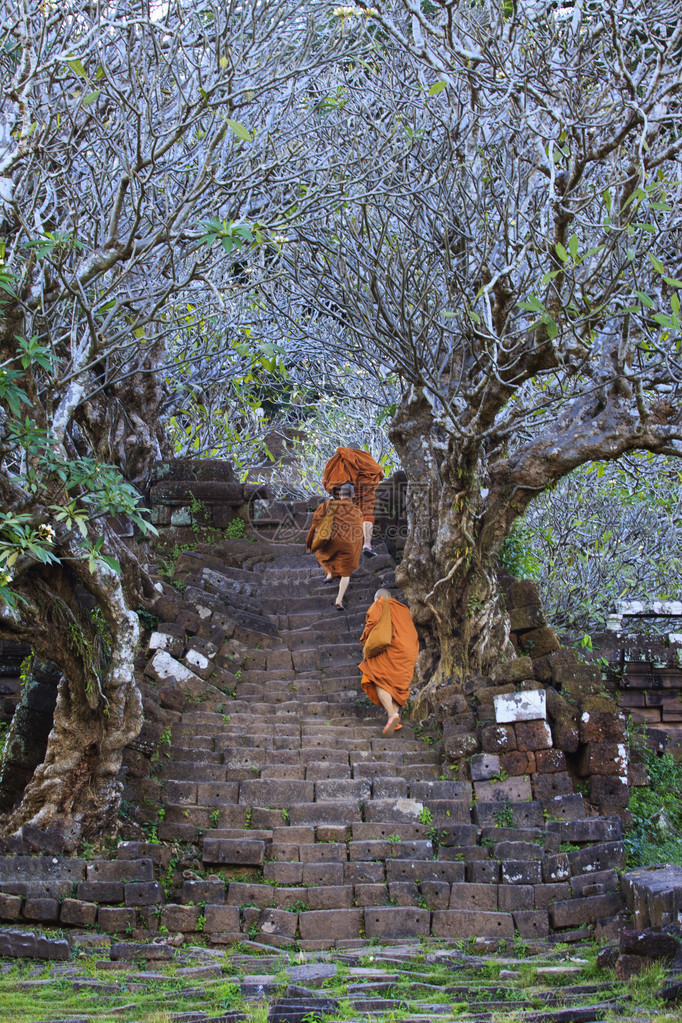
{"x":317,"y":515}
{"x":372,"y":617}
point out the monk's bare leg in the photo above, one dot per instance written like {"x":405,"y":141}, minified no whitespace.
{"x":391,"y":708}
{"x":343,"y":586}
{"x":367,"y":530}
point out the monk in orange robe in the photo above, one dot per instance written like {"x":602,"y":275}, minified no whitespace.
{"x":386,"y":678}
{"x":340,"y":556}
{"x":350,"y":465}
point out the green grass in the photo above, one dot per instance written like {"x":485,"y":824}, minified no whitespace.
{"x":656,"y":833}
{"x":416,"y":980}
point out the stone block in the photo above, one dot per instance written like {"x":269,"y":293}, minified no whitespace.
{"x":606,"y":879}
{"x":473,"y":897}
{"x":539,"y":642}
{"x":524,"y":618}
{"x":78,"y":913}
{"x":550,"y":761}
{"x":45,"y":910}
{"x":484,"y":766}
{"x":604,"y":856}
{"x":278,"y":922}
{"x":330,"y":924}
{"x":338,"y":896}
{"x":516,"y":790}
{"x":130,"y":951}
{"x":180,"y":918}
{"x":158,"y":854}
{"x":547,"y":786}
{"x":100,"y":891}
{"x":222,"y":918}
{"x":115,"y":920}
{"x":532,"y":923}
{"x":363,"y":873}
{"x":654,"y":895}
{"x":532,"y":735}
{"x":609,"y":791}
{"x":10,"y":906}
{"x":556,"y":868}
{"x":545,"y":894}
{"x":520,"y":872}
{"x":483,"y":871}
{"x":283,"y":873}
{"x":628,"y":966}
{"x":563,"y":808}
{"x":397,"y":922}
{"x":459,"y":835}
{"x":523,"y":593}
{"x":515,"y":764}
{"x":203,"y":891}
{"x":424,"y":870}
{"x":144,"y":893}
{"x":578,"y":912}
{"x":323,"y":873}
{"x":405,"y":893}
{"x":436,"y":894}
{"x":651,"y":944}
{"x":600,"y":727}
{"x":121,"y":870}
{"x":337,"y":812}
{"x":459,"y":739}
{"x":529,"y":705}
{"x":234,"y":852}
{"x":451,"y":923}
{"x":523,"y":815}
{"x":498,"y":739}
{"x":514,"y":897}
{"x":25,"y":869}
{"x":603,"y":758}
{"x":164,"y":668}
{"x":517,"y":850}
{"x":26,"y":945}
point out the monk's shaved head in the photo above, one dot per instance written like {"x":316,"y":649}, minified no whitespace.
{"x":382,"y":593}
{"x":346,"y":490}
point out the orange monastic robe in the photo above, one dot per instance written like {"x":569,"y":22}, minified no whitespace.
{"x":358,"y":468}
{"x":341,"y":556}
{"x":392,"y":670}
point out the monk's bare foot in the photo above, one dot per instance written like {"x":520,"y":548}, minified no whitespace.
{"x":328,"y":577}
{"x":391,"y":725}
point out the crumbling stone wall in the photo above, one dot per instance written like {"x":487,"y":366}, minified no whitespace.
{"x":544,"y":717}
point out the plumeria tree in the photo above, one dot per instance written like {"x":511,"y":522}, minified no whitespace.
{"x":521,"y":275}
{"x":148,"y":153}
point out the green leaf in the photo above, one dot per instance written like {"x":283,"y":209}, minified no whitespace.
{"x":573,"y":245}
{"x":561,"y":252}
{"x":656,"y":263}
{"x":673,"y":282}
{"x":91,"y":97}
{"x":239,"y":130}
{"x":111,"y":562}
{"x":437,"y":87}
{"x":644,"y":299}
{"x":77,"y":66}
{"x":549,"y":276}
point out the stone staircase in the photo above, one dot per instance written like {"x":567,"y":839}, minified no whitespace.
{"x":274,"y":811}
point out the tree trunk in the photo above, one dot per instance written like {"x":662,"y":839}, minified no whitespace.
{"x":75,"y":792}
{"x":449,"y":568}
